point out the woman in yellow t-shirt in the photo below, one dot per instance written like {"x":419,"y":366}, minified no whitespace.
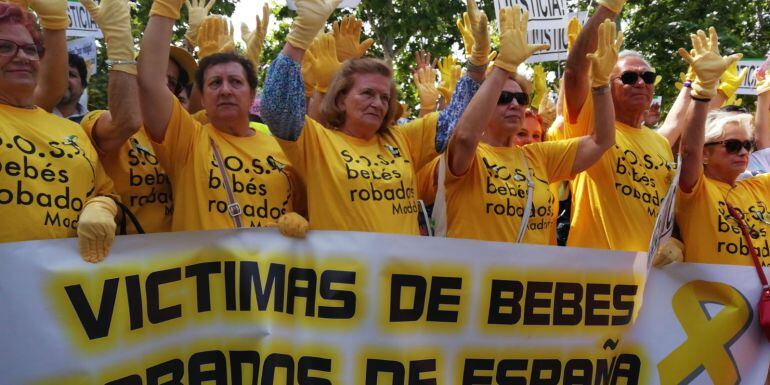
{"x":491,"y":183}
{"x":711,"y":163}
{"x":224,"y":174}
{"x":715,"y":150}
{"x":52,"y":184}
{"x":359,"y":170}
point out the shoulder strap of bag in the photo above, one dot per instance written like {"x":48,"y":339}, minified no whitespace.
{"x":233,"y":208}
{"x":439,"y":205}
{"x":530,"y":193}
{"x":127,"y":214}
{"x":747,"y":237}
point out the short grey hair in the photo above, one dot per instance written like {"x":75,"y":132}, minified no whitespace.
{"x":626,"y":53}
{"x":717,"y":120}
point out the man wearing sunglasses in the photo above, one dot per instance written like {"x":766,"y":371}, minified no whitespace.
{"x":616,"y":200}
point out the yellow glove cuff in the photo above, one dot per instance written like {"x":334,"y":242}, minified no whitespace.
{"x":613,"y":5}
{"x":728,"y":89}
{"x":161,"y":8}
{"x":702,"y":90}
{"x":103,"y":202}
{"x":53,"y":23}
{"x":510,"y":67}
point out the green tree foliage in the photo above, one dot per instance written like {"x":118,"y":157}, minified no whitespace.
{"x":657,"y":28}
{"x":140,"y":14}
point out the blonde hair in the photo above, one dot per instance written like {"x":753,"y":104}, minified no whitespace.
{"x":343,"y":82}
{"x":718,"y":120}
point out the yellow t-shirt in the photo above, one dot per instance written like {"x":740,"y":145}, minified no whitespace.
{"x":487,"y":203}
{"x":139,"y":179}
{"x":260,"y":176}
{"x":709,"y":233}
{"x":615,"y":201}
{"x":363,"y":185}
{"x":426,"y":182}
{"x":48,"y":170}
{"x":202,"y":118}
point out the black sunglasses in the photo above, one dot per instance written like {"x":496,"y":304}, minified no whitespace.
{"x":734,"y":146}
{"x":630,"y":78}
{"x":506,"y":97}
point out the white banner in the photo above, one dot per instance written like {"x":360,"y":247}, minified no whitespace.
{"x":86,"y":48}
{"x":548,"y":21}
{"x":81,"y":23}
{"x":251,"y":306}
{"x":749,"y":85}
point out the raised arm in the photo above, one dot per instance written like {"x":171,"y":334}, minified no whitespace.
{"x":592,"y":147}
{"x":125,"y":117}
{"x":283,"y":101}
{"x":155,"y":98}
{"x":514,"y":50}
{"x":52,"y":78}
{"x":708,"y":65}
{"x":762,"y":117}
{"x":671,"y":129}
{"x":577,"y":71}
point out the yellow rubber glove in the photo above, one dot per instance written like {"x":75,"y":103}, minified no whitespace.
{"x":547,"y":111}
{"x":657,"y":80}
{"x":425,"y":81}
{"x":51,"y":13}
{"x":322,"y":62}
{"x":292,"y":225}
{"x":114,"y":19}
{"x":96,"y":228}
{"x":731,"y":80}
{"x":539,"y":83}
{"x":311,"y":18}
{"x":514,"y":49}
{"x":464,"y":25}
{"x":308,"y":75}
{"x":214,"y":36}
{"x":573,"y":30}
{"x":347,"y":35}
{"x":708,"y":65}
{"x":606,"y":55}
{"x":450,"y":75}
{"x":167,"y":8}
{"x":255,"y":39}
{"x":479,"y":28}
{"x":613,"y":5}
{"x":733,"y":101}
{"x":669,"y":252}
{"x":197,"y":10}
{"x":763,"y":85}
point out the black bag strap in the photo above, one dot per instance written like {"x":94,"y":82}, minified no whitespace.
{"x":127,"y":214}
{"x":747,"y":237}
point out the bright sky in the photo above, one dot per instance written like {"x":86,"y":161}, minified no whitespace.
{"x":246,"y":11}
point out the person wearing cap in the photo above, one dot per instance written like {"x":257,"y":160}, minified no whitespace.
{"x":118,"y":134}
{"x":70,"y":106}
{"x":224,"y":174}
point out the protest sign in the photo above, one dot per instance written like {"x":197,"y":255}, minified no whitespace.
{"x":254,"y":307}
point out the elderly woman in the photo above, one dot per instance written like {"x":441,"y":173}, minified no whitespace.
{"x":224,"y":174}
{"x":52,"y":183}
{"x":492,"y":183}
{"x":715,"y":151}
{"x":359,"y":170}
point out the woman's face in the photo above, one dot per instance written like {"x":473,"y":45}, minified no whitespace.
{"x":508,"y":117}
{"x":722,"y":163}
{"x":366,"y":104}
{"x":226,"y":92}
{"x":531,"y":133}
{"x":18,"y":71}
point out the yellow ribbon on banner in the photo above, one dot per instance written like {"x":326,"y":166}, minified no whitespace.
{"x":708,"y":339}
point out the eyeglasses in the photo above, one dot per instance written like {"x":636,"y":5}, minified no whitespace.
{"x":630,"y":78}
{"x":734,"y":146}
{"x":10,"y":48}
{"x":506,"y":97}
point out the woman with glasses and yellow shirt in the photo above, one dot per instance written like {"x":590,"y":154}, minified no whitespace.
{"x":493,"y":186}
